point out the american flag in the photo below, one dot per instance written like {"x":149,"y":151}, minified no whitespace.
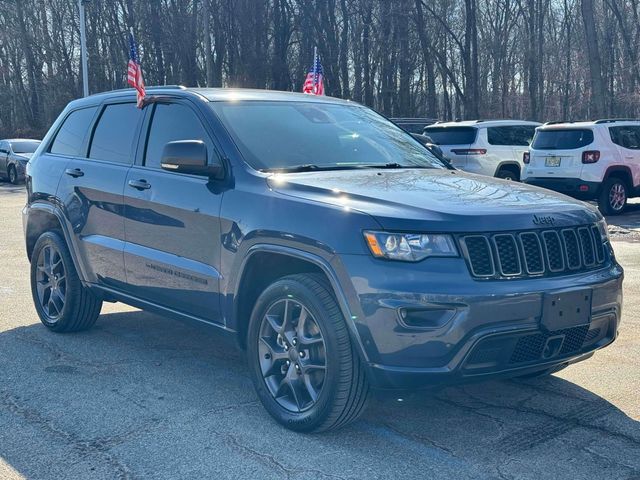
{"x":134,"y":71}
{"x":313,"y":84}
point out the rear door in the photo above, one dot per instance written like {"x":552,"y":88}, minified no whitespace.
{"x":92,"y":191}
{"x":627,"y":141}
{"x":454,"y":141}
{"x":557,"y":152}
{"x":172,"y":221}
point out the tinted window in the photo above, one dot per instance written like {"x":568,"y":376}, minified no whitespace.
{"x":287,"y":135}
{"x":170,"y":123}
{"x":69,"y":138}
{"x":25,"y":146}
{"x":627,"y":137}
{"x":557,"y":139}
{"x":520,"y":135}
{"x":452,"y":135}
{"x":115,"y":132}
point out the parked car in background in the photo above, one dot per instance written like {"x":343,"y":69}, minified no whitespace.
{"x":487,"y":147}
{"x":597,"y":160}
{"x":413,"y":125}
{"x":339,"y":252}
{"x":14,"y":155}
{"x":433,"y":148}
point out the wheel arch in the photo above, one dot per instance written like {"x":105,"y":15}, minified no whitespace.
{"x":620,"y":171}
{"x":509,"y":165}
{"x":252,"y":281}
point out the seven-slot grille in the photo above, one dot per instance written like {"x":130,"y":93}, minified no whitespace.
{"x":533,"y":253}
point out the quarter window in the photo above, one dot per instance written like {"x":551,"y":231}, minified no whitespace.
{"x":115,"y":132}
{"x":70,"y":138}
{"x":173,"y":122}
{"x":518,"y":135}
{"x":627,"y":136}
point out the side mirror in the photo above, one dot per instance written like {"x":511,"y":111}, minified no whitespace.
{"x":189,"y":156}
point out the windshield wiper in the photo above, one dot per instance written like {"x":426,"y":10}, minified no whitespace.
{"x":393,"y":165}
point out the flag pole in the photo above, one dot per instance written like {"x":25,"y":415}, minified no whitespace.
{"x":315,"y":59}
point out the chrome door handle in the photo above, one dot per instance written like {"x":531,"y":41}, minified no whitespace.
{"x":139,"y":184}
{"x":74,"y":172}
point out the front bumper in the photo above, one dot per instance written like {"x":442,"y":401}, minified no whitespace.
{"x":464,"y":329}
{"x":574,"y":187}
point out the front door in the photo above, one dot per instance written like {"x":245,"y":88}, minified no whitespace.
{"x":172,"y":250}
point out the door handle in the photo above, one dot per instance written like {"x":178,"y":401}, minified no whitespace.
{"x":139,"y":184}
{"x":74,"y":172}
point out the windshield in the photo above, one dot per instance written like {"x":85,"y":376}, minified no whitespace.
{"x":452,"y":135}
{"x":290,"y":135}
{"x":26,"y":146}
{"x":562,"y":139}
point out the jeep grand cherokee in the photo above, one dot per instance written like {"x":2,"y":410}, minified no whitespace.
{"x":341,"y":254}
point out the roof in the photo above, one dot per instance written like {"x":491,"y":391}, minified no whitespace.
{"x":484,"y":123}
{"x":19,"y":140}
{"x":590,"y":123}
{"x":221,"y":94}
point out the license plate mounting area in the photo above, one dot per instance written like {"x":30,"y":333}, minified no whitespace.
{"x":566,"y":309}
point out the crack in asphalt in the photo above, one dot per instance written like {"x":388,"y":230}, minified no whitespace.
{"x":85,"y":448}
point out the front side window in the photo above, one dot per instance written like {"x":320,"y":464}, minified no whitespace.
{"x":24,"y":146}
{"x":290,"y":135}
{"x":173,"y":122}
{"x":562,"y":139}
{"x":627,"y":136}
{"x":69,"y":139}
{"x":114,"y":135}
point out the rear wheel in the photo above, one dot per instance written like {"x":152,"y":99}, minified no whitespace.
{"x":613,"y":196}
{"x":508,"y":174}
{"x":12,"y":173}
{"x":61,"y":301}
{"x":305,"y":369}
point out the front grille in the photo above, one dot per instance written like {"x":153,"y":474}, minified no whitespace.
{"x":533,"y":253}
{"x":530,"y":347}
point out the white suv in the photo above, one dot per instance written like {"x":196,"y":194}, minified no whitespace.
{"x":487,"y":147}
{"x":587,"y":160}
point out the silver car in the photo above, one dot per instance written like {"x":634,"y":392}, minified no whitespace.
{"x":14,"y":155}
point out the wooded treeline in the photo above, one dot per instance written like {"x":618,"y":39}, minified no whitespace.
{"x":446,"y":59}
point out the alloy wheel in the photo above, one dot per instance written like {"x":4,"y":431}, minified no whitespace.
{"x":51,"y":285}
{"x":617,"y":197}
{"x":292,"y":355}
{"x":13,"y":176}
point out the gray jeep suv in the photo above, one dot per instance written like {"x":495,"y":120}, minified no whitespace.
{"x":338,"y":251}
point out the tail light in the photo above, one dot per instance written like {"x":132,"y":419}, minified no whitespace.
{"x":526,"y":157}
{"x":469,"y":151}
{"x":590,"y":156}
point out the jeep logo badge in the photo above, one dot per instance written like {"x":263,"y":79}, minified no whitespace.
{"x":540,"y":220}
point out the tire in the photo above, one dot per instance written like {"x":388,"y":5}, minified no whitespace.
{"x":542,"y":373}
{"x":613,"y":196}
{"x":61,"y":301}
{"x":508,"y":174}
{"x":274,"y":352}
{"x":12,"y":175}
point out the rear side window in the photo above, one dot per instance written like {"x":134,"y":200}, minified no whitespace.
{"x":173,"y":122}
{"x":452,"y":135}
{"x":517,"y":135}
{"x":627,"y":137}
{"x":114,"y":134}
{"x":70,"y":137}
{"x":567,"y":139}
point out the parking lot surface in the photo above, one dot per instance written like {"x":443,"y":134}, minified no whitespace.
{"x":141,"y":396}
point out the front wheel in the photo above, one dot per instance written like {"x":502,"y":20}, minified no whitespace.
{"x":13,"y":175}
{"x":613,"y":197}
{"x":304,"y":366}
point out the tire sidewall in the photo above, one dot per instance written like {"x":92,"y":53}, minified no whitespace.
{"x":313,"y":417}
{"x":12,"y":173}
{"x":53,"y":239}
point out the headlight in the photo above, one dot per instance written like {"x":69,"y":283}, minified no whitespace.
{"x":410,"y":247}
{"x":604,"y":230}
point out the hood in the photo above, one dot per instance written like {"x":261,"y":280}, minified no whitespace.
{"x":437,"y":200}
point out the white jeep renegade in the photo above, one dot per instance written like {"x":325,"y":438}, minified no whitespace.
{"x":487,"y":147}
{"x":588,"y":160}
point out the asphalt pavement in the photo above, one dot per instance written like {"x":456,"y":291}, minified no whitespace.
{"x":142,"y":396}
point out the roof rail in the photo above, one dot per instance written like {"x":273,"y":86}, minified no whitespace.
{"x":613,"y":120}
{"x":168,"y":87}
{"x":556,"y":122}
